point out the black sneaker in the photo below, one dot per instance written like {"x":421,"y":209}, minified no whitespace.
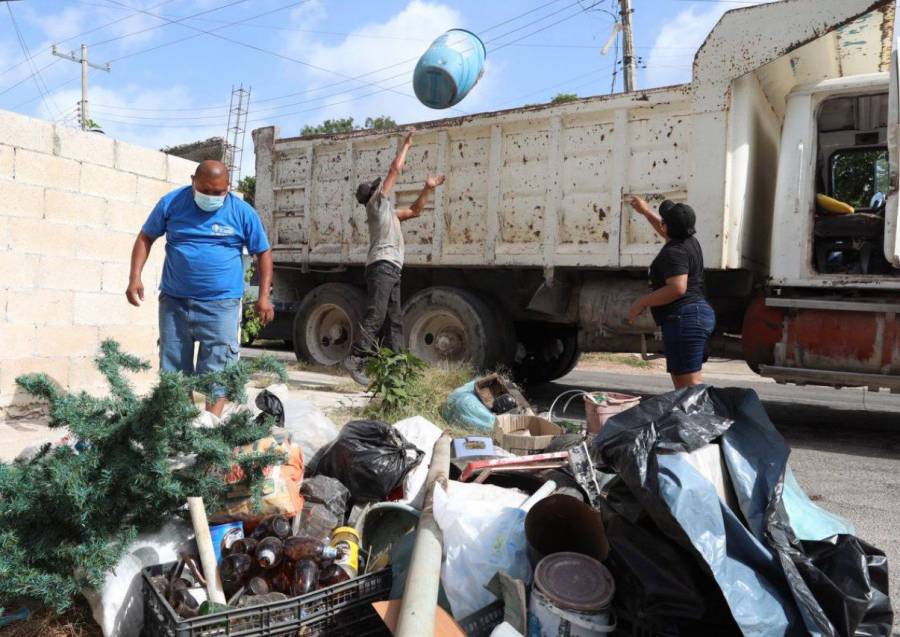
{"x":354,"y":365}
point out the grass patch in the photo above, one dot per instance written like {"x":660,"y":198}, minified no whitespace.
{"x":632,"y":360}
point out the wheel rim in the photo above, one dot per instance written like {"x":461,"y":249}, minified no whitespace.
{"x":438,"y":336}
{"x":329,"y":334}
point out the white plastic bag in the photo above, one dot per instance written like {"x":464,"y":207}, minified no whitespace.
{"x":308,"y":425}
{"x":423,"y":434}
{"x":118,"y":606}
{"x":484,"y":532}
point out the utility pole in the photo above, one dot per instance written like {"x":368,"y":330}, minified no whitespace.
{"x":83,"y":60}
{"x":628,"y":62}
{"x":236,"y":132}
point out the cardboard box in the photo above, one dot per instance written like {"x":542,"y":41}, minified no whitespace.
{"x":524,"y":435}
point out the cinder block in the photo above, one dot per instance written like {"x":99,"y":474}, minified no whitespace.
{"x":70,"y":340}
{"x":17,"y":271}
{"x":127,"y":217}
{"x":103,"y":309}
{"x":40,"y":236}
{"x":140,"y":160}
{"x":83,"y":375}
{"x":93,"y":148}
{"x":150,"y":191}
{"x":17,"y":341}
{"x":74,"y":207}
{"x":7,"y":161}
{"x":140,"y":341}
{"x":180,"y":170}
{"x":39,"y":307}
{"x":108,"y":182}
{"x":26,"y":132}
{"x":21,"y":200}
{"x":56,"y":368}
{"x":107,"y":246}
{"x":115,"y":277}
{"x":65,"y":273}
{"x":47,"y":170}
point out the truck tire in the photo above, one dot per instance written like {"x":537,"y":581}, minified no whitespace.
{"x":327,"y":322}
{"x":550,"y":354}
{"x":446,"y":324}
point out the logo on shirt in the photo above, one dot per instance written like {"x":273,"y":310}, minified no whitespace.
{"x":222,"y":231}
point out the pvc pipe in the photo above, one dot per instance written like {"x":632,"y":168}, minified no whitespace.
{"x":417,"y":608}
{"x":205,"y":548}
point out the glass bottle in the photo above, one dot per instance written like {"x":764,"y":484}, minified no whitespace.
{"x":299,"y":547}
{"x":305,"y":577}
{"x":269,"y":552}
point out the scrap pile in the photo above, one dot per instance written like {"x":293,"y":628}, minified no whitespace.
{"x":679,"y":515}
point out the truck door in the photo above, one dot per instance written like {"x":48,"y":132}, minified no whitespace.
{"x":891,"y":224}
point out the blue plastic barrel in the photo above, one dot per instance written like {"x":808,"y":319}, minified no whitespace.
{"x":449,"y":69}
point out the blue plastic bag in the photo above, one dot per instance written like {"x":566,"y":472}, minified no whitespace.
{"x":465,"y":409}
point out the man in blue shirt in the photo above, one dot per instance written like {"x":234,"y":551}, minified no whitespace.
{"x":202,"y":283}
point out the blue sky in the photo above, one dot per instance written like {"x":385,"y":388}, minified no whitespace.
{"x":170,"y":82}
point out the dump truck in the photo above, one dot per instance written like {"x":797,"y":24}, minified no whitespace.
{"x":785,"y":142}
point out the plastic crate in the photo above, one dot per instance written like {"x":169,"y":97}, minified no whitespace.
{"x":342,"y":609}
{"x":482,"y":623}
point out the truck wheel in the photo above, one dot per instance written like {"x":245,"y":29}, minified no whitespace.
{"x":445,"y":324}
{"x":550,"y":354}
{"x":326,"y":323}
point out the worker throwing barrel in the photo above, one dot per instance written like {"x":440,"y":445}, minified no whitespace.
{"x":384,"y":264}
{"x":678,"y":300}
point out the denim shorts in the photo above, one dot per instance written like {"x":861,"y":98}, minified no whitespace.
{"x":214,"y":325}
{"x":686,"y":332}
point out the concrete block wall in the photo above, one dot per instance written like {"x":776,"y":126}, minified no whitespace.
{"x":71,"y":204}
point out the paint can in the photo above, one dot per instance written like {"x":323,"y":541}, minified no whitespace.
{"x":572,"y":594}
{"x":346,"y":540}
{"x":449,"y":69}
{"x":223,"y":536}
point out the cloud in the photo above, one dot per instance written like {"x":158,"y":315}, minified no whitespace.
{"x":394,"y":46}
{"x":672,"y":55}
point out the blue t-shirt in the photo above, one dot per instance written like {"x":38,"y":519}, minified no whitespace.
{"x":203,"y":249}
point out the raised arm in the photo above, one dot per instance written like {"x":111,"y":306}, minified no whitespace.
{"x":419,"y":204}
{"x":640,"y":206}
{"x":139,"y":254}
{"x":396,"y":166}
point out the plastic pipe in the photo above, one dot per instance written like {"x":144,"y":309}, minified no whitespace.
{"x":417,"y":608}
{"x":205,"y":548}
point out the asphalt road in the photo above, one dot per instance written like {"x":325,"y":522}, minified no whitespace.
{"x":847,"y":460}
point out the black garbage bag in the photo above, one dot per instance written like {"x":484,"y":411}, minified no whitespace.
{"x":370,"y":458}
{"x":771,"y":581}
{"x":270,"y":405}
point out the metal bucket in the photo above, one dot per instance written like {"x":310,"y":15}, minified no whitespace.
{"x":571,"y":596}
{"x":449,"y":69}
{"x":563,"y":524}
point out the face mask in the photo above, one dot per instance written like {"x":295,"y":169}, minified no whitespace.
{"x":208,"y":203}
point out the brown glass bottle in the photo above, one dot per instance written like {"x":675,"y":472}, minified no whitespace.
{"x":305,"y":577}
{"x":299,"y":547}
{"x":332,"y":574}
{"x":258,"y":585}
{"x":243,"y":546}
{"x":277,"y":526}
{"x":279,"y":581}
{"x":234,"y":568}
{"x":269,"y":552}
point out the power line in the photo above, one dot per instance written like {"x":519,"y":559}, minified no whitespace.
{"x":35,"y":73}
{"x":402,"y":74}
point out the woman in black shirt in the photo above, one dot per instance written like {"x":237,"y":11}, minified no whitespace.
{"x":678,"y":300}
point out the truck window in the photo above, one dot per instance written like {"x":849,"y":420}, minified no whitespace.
{"x":858,"y":175}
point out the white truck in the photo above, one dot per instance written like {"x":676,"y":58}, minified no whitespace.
{"x":529,"y":253}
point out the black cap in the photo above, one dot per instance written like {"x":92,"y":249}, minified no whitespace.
{"x":365,"y":190}
{"x":679,"y":218}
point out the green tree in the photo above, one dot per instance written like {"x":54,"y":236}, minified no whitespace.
{"x":382,"y":122}
{"x":330,"y":126}
{"x":345,"y":125}
{"x":247,"y":187}
{"x":562,"y":98}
